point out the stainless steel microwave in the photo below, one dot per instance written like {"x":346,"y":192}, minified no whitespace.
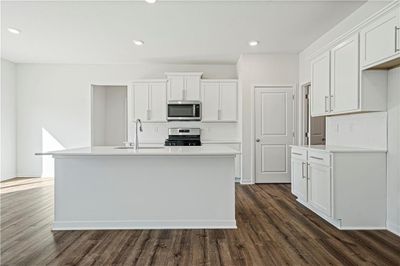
{"x":184,"y":111}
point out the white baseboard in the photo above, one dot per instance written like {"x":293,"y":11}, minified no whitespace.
{"x":338,"y":223}
{"x":143,"y":225}
{"x":246,"y":182}
{"x":394,"y":228}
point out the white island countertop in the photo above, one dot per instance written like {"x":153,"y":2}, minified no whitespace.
{"x":332,"y":148}
{"x":215,"y":150}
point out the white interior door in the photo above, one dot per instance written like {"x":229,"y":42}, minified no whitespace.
{"x":274,"y":132}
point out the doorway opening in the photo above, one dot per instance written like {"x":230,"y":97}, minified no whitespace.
{"x":313,"y":127}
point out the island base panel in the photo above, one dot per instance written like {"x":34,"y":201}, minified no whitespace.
{"x":149,"y":192}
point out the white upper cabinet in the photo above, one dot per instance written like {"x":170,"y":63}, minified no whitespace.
{"x":176,"y":87}
{"x":184,"y":86}
{"x":192,"y":88}
{"x":157,"y":102}
{"x":219,"y":100}
{"x":210,"y":101}
{"x":320,"y":85}
{"x":338,"y":86}
{"x":228,"y":101}
{"x":345,"y":76}
{"x":147,"y":100}
{"x":380,"y":40}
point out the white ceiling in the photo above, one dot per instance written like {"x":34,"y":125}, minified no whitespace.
{"x":173,"y":31}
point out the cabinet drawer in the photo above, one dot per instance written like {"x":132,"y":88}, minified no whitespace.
{"x":299,"y":153}
{"x":320,"y":158}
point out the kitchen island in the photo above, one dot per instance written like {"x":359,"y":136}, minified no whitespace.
{"x":149,"y":188}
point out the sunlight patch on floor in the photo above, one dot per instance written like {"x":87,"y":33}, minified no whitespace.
{"x":21,"y":184}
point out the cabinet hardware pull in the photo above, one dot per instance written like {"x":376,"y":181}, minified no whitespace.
{"x":148,"y":114}
{"x":317,"y":158}
{"x":219,"y":114}
{"x":302,"y":170}
{"x":396,"y":36}
{"x":326,"y":105}
{"x":331,"y":102}
{"x":296,"y":153}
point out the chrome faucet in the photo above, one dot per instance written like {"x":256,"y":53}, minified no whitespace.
{"x":138,"y":123}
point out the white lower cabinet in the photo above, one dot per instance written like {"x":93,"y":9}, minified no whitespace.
{"x":345,"y":187}
{"x":299,"y":174}
{"x":299,"y":179}
{"x":320,"y":188}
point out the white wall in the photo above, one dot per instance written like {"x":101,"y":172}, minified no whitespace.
{"x":8,"y":120}
{"x":393,"y":155}
{"x":368,"y":130}
{"x":260,"y":69}
{"x":54,"y":103}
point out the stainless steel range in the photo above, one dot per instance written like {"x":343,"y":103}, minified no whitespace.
{"x":183,"y":137}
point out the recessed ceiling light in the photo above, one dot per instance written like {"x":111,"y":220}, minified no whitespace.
{"x":151,"y":1}
{"x":14,"y":31}
{"x":138,"y":42}
{"x":253,"y":43}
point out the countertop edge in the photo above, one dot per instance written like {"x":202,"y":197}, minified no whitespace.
{"x":339,"y":149}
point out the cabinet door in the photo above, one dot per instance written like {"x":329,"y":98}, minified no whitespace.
{"x":320,"y":85}
{"x":158,"y":102}
{"x":228,"y":101}
{"x":345,"y":76}
{"x":176,"y":86}
{"x":210,"y":101}
{"x":139,"y":101}
{"x":378,"y":39}
{"x":192,"y":88}
{"x":319,"y":195}
{"x":299,"y":179}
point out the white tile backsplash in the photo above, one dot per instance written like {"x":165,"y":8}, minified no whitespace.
{"x":158,"y":132}
{"x":366,"y":130}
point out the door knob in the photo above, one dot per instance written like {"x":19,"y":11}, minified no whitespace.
{"x":257,"y":140}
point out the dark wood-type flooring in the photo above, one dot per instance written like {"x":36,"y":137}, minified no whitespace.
{"x":273,"y":229}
